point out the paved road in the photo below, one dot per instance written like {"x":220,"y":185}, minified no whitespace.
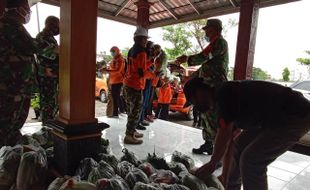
{"x":101,"y":111}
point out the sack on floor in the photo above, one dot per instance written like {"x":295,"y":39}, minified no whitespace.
{"x":123,"y":168}
{"x":174,"y":187}
{"x":104,"y":170}
{"x":32,"y":171}
{"x":44,"y":137}
{"x":147,"y":168}
{"x":110,"y":159}
{"x":192,"y":182}
{"x":213,"y":181}
{"x":136,"y":175}
{"x":130,"y":157}
{"x":143,"y":186}
{"x":164,"y":176}
{"x":115,"y":183}
{"x":184,"y":159}
{"x":157,"y":161}
{"x":177,"y":168}
{"x":58,"y":182}
{"x":9,"y":162}
{"x":73,"y":184}
{"x":85,"y":167}
{"x":105,"y":146}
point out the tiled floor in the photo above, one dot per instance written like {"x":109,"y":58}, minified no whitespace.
{"x":291,"y":171}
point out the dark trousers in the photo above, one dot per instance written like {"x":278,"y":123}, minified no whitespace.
{"x":162,"y":111}
{"x":254,"y":150}
{"x":196,"y":114}
{"x":116,"y":95}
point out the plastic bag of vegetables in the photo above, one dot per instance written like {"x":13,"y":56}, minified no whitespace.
{"x":136,"y":175}
{"x":174,"y":187}
{"x":157,"y":161}
{"x":184,"y":159}
{"x":73,"y":184}
{"x":147,"y":168}
{"x":143,"y":186}
{"x":192,"y":182}
{"x":32,"y":171}
{"x":123,"y":168}
{"x":130,"y":157}
{"x":115,"y":183}
{"x":58,"y":182}
{"x":177,"y":168}
{"x":85,"y":167}
{"x":164,"y":176}
{"x":104,"y":147}
{"x":9,"y":162}
{"x":110,"y":159}
{"x":104,"y":170}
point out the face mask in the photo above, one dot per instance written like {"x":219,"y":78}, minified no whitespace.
{"x":207,"y":38}
{"x":113,"y":53}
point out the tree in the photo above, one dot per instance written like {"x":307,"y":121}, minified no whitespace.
{"x":286,"y":74}
{"x":259,"y":74}
{"x":304,"y":61}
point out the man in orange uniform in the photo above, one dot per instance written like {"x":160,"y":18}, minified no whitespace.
{"x":116,"y":71}
{"x":134,"y":83}
{"x":164,"y":99}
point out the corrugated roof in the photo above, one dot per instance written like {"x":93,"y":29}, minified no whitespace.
{"x":167,"y":12}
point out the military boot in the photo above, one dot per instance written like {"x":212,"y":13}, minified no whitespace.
{"x":206,"y":147}
{"x":131,"y":139}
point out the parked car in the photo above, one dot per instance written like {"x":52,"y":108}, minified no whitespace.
{"x":101,"y":90}
{"x":303,"y":87}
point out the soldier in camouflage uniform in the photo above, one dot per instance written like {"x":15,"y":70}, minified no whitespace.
{"x":16,"y":70}
{"x":214,"y":67}
{"x":48,"y":69}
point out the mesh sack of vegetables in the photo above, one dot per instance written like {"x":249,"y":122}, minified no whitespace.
{"x":177,"y":168}
{"x":184,"y":159}
{"x":174,"y":187}
{"x":192,"y":182}
{"x":32,"y":170}
{"x":157,"y":161}
{"x":136,"y":175}
{"x":43,"y":137}
{"x":73,"y":184}
{"x":130,"y":157}
{"x":147,"y":168}
{"x":110,"y":159}
{"x":213,"y":181}
{"x":115,"y":183}
{"x":105,"y":146}
{"x":28,"y":140}
{"x":104,"y":170}
{"x":9,"y":162}
{"x":58,"y":182}
{"x":123,"y":168}
{"x":164,"y":176}
{"x":85,"y":167}
{"x":143,"y":186}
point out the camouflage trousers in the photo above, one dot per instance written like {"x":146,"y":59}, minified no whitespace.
{"x":14,"y":110}
{"x":48,"y":98}
{"x":209,"y":126}
{"x":134,"y":99}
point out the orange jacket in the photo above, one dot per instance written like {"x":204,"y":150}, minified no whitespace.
{"x":165,"y":94}
{"x":116,"y":68}
{"x":136,"y":68}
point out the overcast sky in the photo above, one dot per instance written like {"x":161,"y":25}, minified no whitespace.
{"x":283,"y":35}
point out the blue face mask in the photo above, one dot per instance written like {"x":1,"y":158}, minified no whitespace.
{"x":207,"y":38}
{"x":113,"y":54}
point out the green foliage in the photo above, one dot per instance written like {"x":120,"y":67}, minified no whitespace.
{"x":125,"y":51}
{"x":259,"y":74}
{"x":35,"y":101}
{"x":286,"y":74}
{"x":304,"y":61}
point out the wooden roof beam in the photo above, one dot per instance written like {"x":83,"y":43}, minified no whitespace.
{"x":169,"y":9}
{"x":122,"y":7}
{"x":193,"y":6}
{"x":234,"y":3}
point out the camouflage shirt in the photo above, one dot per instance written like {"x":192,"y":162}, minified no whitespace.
{"x":213,"y":60}
{"x":16,"y":58}
{"x":48,"y":58}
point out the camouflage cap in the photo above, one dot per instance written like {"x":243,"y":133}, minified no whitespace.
{"x":216,"y":23}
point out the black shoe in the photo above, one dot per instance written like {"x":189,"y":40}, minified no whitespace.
{"x":140,"y":127}
{"x":206,"y":147}
{"x":144,"y":123}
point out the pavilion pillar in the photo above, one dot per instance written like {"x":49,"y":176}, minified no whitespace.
{"x":76,"y":131}
{"x":248,"y":20}
{"x":143,"y":13}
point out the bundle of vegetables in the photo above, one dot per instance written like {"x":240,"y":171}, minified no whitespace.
{"x":157,"y":162}
{"x":164,"y":176}
{"x":74,"y":184}
{"x":123,"y":168}
{"x":184,"y":159}
{"x":32,"y":171}
{"x":177,"y":168}
{"x":147,"y":168}
{"x":85,"y":167}
{"x":9,"y":162}
{"x":104,"y":170}
{"x":130,"y":157}
{"x":110,"y":159}
{"x":115,"y":183}
{"x":136,"y":175}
